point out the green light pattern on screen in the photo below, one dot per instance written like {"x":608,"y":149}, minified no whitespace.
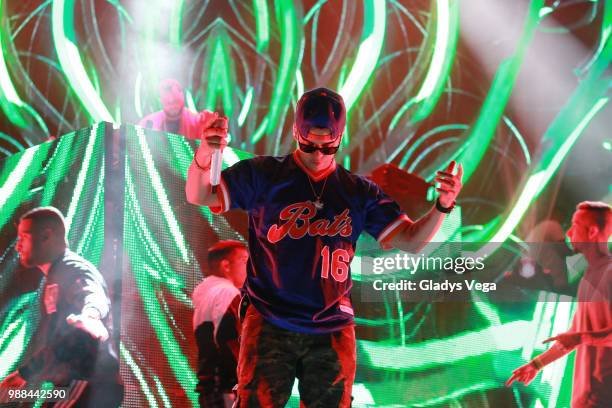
{"x":19,"y":172}
{"x":70,"y":60}
{"x":138,"y":374}
{"x":486,"y":309}
{"x":56,"y":166}
{"x":94,"y":141}
{"x":151,"y":270}
{"x":93,"y":228}
{"x":176,"y":22}
{"x":519,"y":137}
{"x":261,"y":23}
{"x":221,"y":71}
{"x":16,"y":330}
{"x":162,"y":393}
{"x":161,"y":196}
{"x":159,"y":268}
{"x":10,"y":102}
{"x":285,"y":29}
{"x":246,"y":106}
{"x":539,"y":179}
{"x":291,"y":38}
{"x":497,"y":98}
{"x":445,"y":47}
{"x":434,"y":353}
{"x":423,"y":139}
{"x":369,"y":50}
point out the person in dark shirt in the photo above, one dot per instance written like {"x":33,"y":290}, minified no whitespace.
{"x":75,"y":348}
{"x":216,"y":324}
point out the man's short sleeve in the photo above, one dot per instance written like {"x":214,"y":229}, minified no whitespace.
{"x":384,"y":217}
{"x":238,"y":187}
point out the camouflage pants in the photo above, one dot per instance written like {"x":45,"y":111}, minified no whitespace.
{"x":271,"y":358}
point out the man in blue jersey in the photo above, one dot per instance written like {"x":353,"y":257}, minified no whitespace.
{"x":306,"y":213}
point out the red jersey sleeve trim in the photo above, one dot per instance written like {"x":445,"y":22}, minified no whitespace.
{"x":393,"y":228}
{"x":224,"y":197}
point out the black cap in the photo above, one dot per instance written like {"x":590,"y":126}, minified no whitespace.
{"x":321,"y":108}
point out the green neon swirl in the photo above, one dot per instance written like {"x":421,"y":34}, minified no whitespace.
{"x":10,"y":102}
{"x":220,"y":78}
{"x":537,"y":181}
{"x":313,"y":10}
{"x":261,"y":24}
{"x":291,"y":35}
{"x":434,"y":353}
{"x":445,"y":48}
{"x":64,"y":39}
{"x":176,"y":22}
{"x":246,"y":106}
{"x":372,"y":39}
{"x":442,"y":40}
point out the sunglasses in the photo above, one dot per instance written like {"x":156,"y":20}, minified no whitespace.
{"x":310,"y":148}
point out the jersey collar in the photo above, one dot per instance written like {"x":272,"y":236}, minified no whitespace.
{"x":314,"y":176}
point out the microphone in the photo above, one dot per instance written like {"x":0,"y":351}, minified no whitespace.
{"x":216,"y":161}
{"x":215,"y":169}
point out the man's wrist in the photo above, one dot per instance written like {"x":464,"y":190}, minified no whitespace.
{"x":537,"y":363}
{"x":202,"y":164}
{"x":444,"y":209}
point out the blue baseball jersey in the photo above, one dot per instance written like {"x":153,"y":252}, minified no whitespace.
{"x":298,"y":275}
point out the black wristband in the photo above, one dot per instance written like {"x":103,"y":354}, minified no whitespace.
{"x":537,"y":363}
{"x":445,"y":210}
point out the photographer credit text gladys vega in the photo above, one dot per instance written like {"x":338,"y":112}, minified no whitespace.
{"x":412,"y":264}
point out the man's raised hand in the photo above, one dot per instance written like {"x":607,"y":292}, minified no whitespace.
{"x":213,"y":131}
{"x":92,"y":325}
{"x":450,"y":184}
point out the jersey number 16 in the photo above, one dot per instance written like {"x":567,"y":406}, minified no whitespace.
{"x":339,"y":264}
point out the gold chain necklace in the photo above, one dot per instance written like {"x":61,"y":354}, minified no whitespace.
{"x":318,"y":203}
